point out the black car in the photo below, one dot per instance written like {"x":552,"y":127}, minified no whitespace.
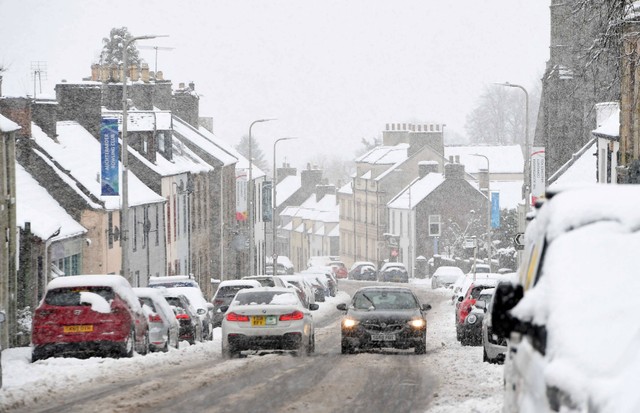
{"x":365,"y":272}
{"x":190,"y":325}
{"x":394,"y":274}
{"x":380,"y":317}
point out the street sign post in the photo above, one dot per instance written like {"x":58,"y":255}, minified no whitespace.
{"x":518,"y":241}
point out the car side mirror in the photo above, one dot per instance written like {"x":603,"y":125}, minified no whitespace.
{"x":2,"y":317}
{"x":313,"y":307}
{"x":223,"y":308}
{"x":342,"y":307}
{"x":460,"y":299}
{"x":426,"y":307}
{"x":201,"y":311}
{"x":210,"y":306}
{"x":481,"y":304}
{"x":505,"y":298}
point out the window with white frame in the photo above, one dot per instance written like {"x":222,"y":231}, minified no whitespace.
{"x":434,"y":225}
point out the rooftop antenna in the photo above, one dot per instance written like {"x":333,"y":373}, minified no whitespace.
{"x":156,"y":48}
{"x":38,"y":72}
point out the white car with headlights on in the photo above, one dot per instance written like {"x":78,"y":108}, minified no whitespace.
{"x":267,"y":318}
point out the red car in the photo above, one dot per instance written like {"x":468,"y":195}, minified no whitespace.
{"x":465,"y":304}
{"x":86,"y":315}
{"x":339,"y":269}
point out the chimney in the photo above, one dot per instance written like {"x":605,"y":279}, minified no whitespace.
{"x":285,"y":171}
{"x":322,"y":190}
{"x":427,"y":167}
{"x":134,"y":73}
{"x":309,"y":178}
{"x":454,"y":171}
{"x":159,"y":75}
{"x":144,"y":73}
{"x":104,"y":73}
{"x":95,"y":72}
{"x":192,"y":86}
{"x":483,"y":180}
{"x":18,"y":110}
{"x":114,"y":73}
{"x":45,"y":115}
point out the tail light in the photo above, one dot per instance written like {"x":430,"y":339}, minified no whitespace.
{"x":296,"y":315}
{"x":183,"y":316}
{"x":237,"y":317}
{"x":155,"y":318}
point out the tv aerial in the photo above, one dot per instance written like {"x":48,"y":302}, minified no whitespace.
{"x":38,"y":72}
{"x":156,"y":48}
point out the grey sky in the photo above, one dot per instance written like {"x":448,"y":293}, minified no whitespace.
{"x":331,"y":71}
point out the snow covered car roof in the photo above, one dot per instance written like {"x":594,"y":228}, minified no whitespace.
{"x":118,"y":283}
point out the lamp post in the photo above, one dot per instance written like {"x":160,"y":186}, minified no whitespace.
{"x":250,"y":196}
{"x":124,"y":214}
{"x":527,"y":161}
{"x":488,"y":208}
{"x":273,"y":213}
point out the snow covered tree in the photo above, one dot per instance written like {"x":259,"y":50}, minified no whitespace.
{"x":113,"y":46}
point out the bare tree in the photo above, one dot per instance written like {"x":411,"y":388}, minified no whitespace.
{"x":256,"y":152}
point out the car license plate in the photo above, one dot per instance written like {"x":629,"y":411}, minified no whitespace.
{"x":85,"y":328}
{"x":263,"y":320}
{"x":383,"y":337}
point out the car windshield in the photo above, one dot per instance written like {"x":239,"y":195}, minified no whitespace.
{"x":230,"y":291}
{"x":266,"y":297}
{"x":385,"y":300}
{"x":70,"y":296}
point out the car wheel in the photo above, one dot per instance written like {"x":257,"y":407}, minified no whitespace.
{"x":311,"y":348}
{"x":421,"y":347}
{"x":229,"y":352}
{"x":37,"y":354}
{"x":346,"y":347}
{"x":459,"y":334}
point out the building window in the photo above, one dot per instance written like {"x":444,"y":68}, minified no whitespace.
{"x":110,"y":231}
{"x":157,"y":225}
{"x":161,"y":141}
{"x":434,"y":225}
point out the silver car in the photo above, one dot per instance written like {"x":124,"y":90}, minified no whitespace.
{"x":494,"y":346}
{"x":267,"y":318}
{"x":163,"y":325}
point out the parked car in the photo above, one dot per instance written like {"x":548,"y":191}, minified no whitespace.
{"x":319,"y":285}
{"x":285,"y":266}
{"x":267,"y":318}
{"x":87,"y":315}
{"x":339,"y":269}
{"x":472,"y":324}
{"x":303,"y":285}
{"x":227,"y":289}
{"x":355,"y":271}
{"x":190,"y":324}
{"x":321,"y":260}
{"x":445,"y":276}
{"x":494,"y":345}
{"x":204,"y":309}
{"x":266,"y":280}
{"x":393,"y":272}
{"x":465,"y":333}
{"x":171,"y":281}
{"x":571,"y":317}
{"x":329,"y":276}
{"x":384,"y":316}
{"x":163,"y":324}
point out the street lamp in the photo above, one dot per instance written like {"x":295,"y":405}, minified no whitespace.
{"x":488,"y":208}
{"x":250,"y":195}
{"x":273,"y":213}
{"x":124,"y":214}
{"x":527,"y":161}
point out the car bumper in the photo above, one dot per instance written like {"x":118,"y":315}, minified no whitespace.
{"x":472,"y":333}
{"x":403,"y":339}
{"x":79,"y":349}
{"x":495,"y":348}
{"x":287,"y":341}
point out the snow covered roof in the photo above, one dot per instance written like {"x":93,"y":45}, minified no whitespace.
{"x":287,"y":187}
{"x":416,"y":191}
{"x":36,"y":206}
{"x":385,"y":154}
{"x":207,"y":142}
{"x":580,"y":169}
{"x":610,"y":128}
{"x":142,"y":120}
{"x":7,"y":125}
{"x":346,"y":189}
{"x":502,"y":159}
{"x":78,"y":152}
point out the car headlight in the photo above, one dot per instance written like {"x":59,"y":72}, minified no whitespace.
{"x":418,"y":323}
{"x":349,"y":323}
{"x":471,"y":318}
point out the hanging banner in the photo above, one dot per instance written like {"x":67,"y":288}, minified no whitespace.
{"x":538,"y":179}
{"x":267,"y":208}
{"x":109,"y":157}
{"x":241,"y":198}
{"x":495,"y":209}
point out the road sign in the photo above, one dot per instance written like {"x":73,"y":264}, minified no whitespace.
{"x":518,"y":241}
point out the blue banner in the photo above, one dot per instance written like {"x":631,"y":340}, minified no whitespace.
{"x":109,"y":156}
{"x":495,"y":209}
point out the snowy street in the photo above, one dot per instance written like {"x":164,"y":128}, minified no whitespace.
{"x":449,"y":378}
